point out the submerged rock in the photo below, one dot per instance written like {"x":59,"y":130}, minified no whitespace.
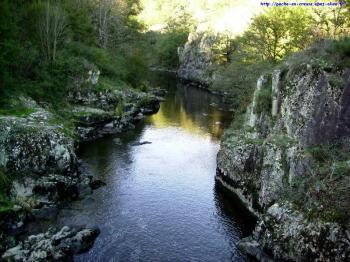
{"x":141,"y":143}
{"x":53,"y":245}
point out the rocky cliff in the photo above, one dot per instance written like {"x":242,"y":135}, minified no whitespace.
{"x":196,"y":58}
{"x":290,"y":163}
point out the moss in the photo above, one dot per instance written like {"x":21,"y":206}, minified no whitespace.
{"x":15,"y":107}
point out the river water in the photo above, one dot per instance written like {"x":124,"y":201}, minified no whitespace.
{"x":160,"y":202}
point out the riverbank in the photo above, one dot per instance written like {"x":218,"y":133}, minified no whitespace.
{"x":40,"y":167}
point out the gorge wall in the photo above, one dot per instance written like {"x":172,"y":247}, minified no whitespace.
{"x":289,"y":163}
{"x":196,"y":58}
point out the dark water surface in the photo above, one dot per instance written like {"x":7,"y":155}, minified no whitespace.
{"x":160,"y":201}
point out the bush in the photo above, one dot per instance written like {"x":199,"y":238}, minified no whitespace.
{"x":325,"y":191}
{"x":343,"y":46}
{"x":263,"y":101}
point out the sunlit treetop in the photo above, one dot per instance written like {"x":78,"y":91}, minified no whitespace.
{"x":229,"y":16}
{"x":216,"y":15}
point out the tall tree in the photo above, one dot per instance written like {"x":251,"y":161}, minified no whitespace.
{"x":52,"y":27}
{"x":278,"y":32}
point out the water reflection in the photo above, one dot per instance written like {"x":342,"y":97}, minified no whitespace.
{"x":160,"y":202}
{"x":194,"y":110}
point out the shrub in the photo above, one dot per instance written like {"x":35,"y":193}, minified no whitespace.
{"x":343,"y":46}
{"x":336,"y":81}
{"x":325,"y":191}
{"x":264,"y":101}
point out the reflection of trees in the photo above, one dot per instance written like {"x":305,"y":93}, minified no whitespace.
{"x":196,"y":102}
{"x":190,"y":107}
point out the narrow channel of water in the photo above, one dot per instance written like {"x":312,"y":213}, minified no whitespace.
{"x":160,"y":202}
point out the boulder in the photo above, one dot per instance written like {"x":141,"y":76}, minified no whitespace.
{"x":53,"y":245}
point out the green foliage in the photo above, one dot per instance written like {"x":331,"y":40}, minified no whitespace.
{"x":264,"y":100}
{"x":319,"y":153}
{"x":119,"y":108}
{"x":336,"y":81}
{"x":343,"y":46}
{"x":15,"y":108}
{"x":239,"y":77}
{"x":239,"y":119}
{"x":328,"y":55}
{"x":278,"y":32}
{"x":45,"y":59}
{"x":9,"y":45}
{"x":81,"y":23}
{"x":324,"y":192}
{"x":5,"y":203}
{"x":166,"y":47}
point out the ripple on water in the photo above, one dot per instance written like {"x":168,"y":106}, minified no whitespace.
{"x":160,"y":201}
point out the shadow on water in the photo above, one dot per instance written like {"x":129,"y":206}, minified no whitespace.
{"x":160,"y":202}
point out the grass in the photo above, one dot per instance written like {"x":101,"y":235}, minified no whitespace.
{"x":324,"y":192}
{"x":328,"y":55}
{"x":14,"y":107}
{"x":336,"y":81}
{"x":20,"y":112}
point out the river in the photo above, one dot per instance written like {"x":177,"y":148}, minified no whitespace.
{"x":160,"y":202}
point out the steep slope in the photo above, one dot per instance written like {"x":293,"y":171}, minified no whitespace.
{"x":290,"y":164}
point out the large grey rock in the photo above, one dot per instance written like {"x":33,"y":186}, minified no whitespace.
{"x":291,"y":236}
{"x":110,"y":111}
{"x":33,"y":145}
{"x":196,"y":58}
{"x":53,"y":245}
{"x":261,"y":162}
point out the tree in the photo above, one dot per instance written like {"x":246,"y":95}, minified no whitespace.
{"x":104,"y":17}
{"x":224,"y":47}
{"x":331,"y":22}
{"x":278,"y":32}
{"x":9,"y":44}
{"x":52,"y":28}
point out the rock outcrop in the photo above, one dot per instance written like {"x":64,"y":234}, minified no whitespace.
{"x":110,"y":111}
{"x":53,"y":245}
{"x":196,"y":58}
{"x":296,"y":112}
{"x":34,"y":145}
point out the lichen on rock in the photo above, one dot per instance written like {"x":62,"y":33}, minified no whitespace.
{"x":263,"y":163}
{"x":53,"y":245}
